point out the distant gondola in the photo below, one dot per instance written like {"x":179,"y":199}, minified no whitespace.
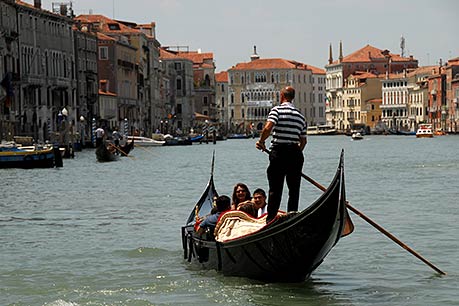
{"x":103,"y":154}
{"x":288,"y":249}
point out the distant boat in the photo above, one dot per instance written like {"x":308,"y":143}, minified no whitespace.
{"x":326,"y":130}
{"x":406,"y":133}
{"x":357,"y":136}
{"x":312,"y":130}
{"x":103,"y":154}
{"x":321,"y":130}
{"x":144,"y":141}
{"x":238,"y":136}
{"x":196,"y":138}
{"x":425,"y":131}
{"x":12,"y":156}
{"x":176,"y":141}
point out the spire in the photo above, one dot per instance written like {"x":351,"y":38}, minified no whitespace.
{"x":330,"y":55}
{"x":340,"y":51}
{"x":254,"y":56}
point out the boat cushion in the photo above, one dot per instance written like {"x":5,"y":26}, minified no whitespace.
{"x":235,"y":224}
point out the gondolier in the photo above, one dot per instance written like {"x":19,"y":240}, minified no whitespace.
{"x":286,"y":158}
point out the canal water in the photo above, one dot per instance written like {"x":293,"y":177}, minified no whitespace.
{"x":109,"y":233}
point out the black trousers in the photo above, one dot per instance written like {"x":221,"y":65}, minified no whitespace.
{"x":285,"y":164}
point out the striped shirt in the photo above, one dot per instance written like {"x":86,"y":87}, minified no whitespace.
{"x":289,"y":124}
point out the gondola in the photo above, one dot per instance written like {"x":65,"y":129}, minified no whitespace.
{"x":128,"y":147}
{"x":287,"y":249}
{"x":104,"y":155}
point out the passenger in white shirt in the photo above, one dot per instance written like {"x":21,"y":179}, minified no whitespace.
{"x":259,"y":198}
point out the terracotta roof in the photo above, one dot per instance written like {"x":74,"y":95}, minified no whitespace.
{"x":378,"y":100}
{"x":316,"y":70}
{"x":415,"y":71}
{"x":146,"y":25}
{"x":221,"y":77}
{"x":31,"y":6}
{"x":102,"y":36}
{"x":106,"y":24}
{"x":365,"y":75}
{"x":197,"y":58}
{"x":271,"y":63}
{"x":25,"y":4}
{"x":207,"y":66}
{"x":370,"y":54}
{"x":164,"y":54}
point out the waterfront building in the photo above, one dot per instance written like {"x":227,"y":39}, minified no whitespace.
{"x":316,"y":109}
{"x":371,"y":115}
{"x":254,"y":88}
{"x":221,"y":93}
{"x":153,"y":103}
{"x":361,"y":88}
{"x":204,"y":81}
{"x":87,"y":80}
{"x":437,"y":98}
{"x":45,"y":94}
{"x":9,"y":70}
{"x":122,"y":67}
{"x":177,"y":92}
{"x":452,"y":94}
{"x":405,"y":99}
{"x":368,"y":59}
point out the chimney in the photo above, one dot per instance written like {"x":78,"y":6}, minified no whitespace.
{"x":37,"y":4}
{"x":254,"y":56}
{"x":63,"y":9}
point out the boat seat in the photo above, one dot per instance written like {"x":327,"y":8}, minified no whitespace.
{"x":236,"y":224}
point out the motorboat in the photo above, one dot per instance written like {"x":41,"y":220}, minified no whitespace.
{"x":145,"y":141}
{"x":425,"y":131}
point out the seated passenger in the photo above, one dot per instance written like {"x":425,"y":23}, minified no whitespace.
{"x":259,"y":198}
{"x":249,"y":208}
{"x":209,"y":222}
{"x":241,"y":194}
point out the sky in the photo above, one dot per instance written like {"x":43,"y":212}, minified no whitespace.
{"x":299,"y":30}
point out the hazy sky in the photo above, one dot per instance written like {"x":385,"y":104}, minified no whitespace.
{"x":298,"y":30}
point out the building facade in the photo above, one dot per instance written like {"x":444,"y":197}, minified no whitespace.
{"x":47,"y":73}
{"x":367,"y":59}
{"x":86,"y":57}
{"x":204,"y":82}
{"x":9,"y":70}
{"x":221,"y":92}
{"x":452,"y":94}
{"x":254,"y":88}
{"x":361,"y":88}
{"x":178,"y":112}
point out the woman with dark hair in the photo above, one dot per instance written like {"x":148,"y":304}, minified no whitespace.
{"x":241,"y":194}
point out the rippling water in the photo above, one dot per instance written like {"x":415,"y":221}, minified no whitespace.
{"x":109,"y":234}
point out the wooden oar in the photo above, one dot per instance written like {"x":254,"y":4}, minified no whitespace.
{"x":145,"y":149}
{"x":122,"y":152}
{"x":377,"y":226}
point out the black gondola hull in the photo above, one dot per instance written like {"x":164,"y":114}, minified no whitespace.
{"x":288,"y":250}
